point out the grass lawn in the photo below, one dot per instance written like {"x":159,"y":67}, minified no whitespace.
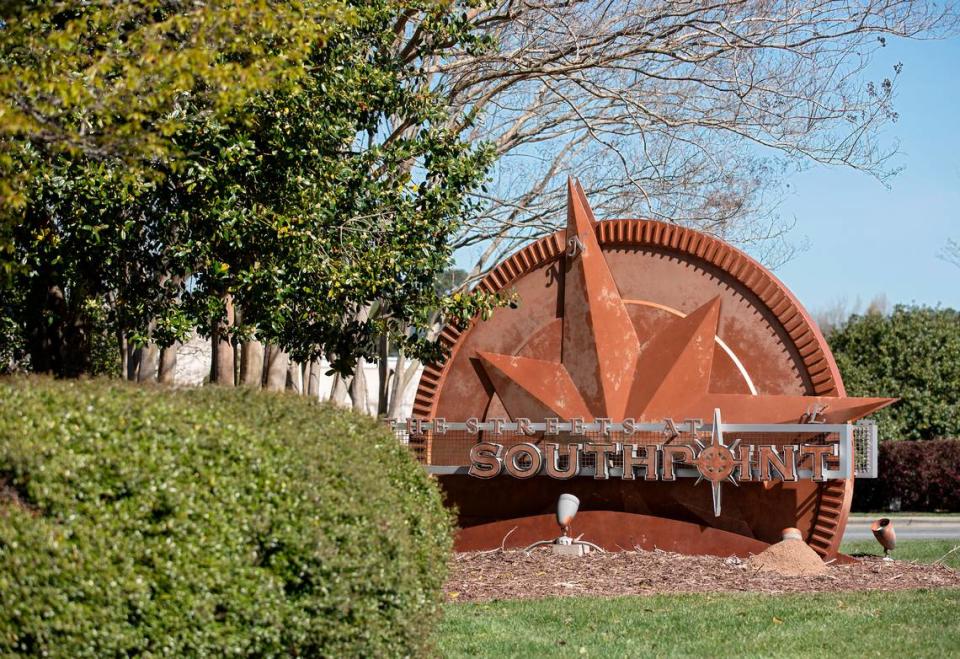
{"x":906,"y":623}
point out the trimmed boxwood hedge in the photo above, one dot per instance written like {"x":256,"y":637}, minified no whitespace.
{"x":209,"y":522}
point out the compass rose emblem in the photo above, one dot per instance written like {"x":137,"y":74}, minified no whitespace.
{"x":716,"y":461}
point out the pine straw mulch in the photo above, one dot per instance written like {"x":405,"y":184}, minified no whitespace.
{"x":501,"y":575}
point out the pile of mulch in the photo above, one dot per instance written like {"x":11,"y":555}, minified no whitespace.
{"x":500,"y":575}
{"x":791,"y":558}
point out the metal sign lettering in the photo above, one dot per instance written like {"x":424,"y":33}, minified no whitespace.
{"x":550,"y":426}
{"x":715,"y":462}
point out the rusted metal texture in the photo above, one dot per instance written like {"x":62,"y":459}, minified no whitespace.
{"x":647,"y":320}
{"x":613,"y":531}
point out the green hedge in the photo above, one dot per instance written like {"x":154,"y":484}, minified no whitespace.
{"x":209,"y":522}
{"x":914,"y":476}
{"x":914,"y":355}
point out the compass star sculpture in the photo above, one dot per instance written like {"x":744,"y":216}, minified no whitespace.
{"x":607,"y":371}
{"x":716,"y":461}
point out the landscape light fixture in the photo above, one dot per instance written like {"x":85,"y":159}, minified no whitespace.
{"x":885,"y":535}
{"x":567,"y":507}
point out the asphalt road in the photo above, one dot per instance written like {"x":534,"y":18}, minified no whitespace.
{"x":908,"y":528}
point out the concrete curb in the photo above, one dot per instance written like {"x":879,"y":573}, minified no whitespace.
{"x":906,"y":521}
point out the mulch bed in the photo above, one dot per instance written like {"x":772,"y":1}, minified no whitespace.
{"x":500,"y":575}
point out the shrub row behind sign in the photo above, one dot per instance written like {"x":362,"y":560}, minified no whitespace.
{"x":916,"y":476}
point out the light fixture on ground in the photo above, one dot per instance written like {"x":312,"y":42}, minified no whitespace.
{"x":567,"y":507}
{"x":885,"y":535}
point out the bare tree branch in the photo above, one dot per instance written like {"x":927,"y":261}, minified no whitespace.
{"x":951,"y":253}
{"x":685,"y":112}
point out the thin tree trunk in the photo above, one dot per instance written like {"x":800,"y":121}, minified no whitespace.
{"x":339,"y":391}
{"x":251,"y":363}
{"x":277,"y":363}
{"x":313,"y":379}
{"x":133,"y":362}
{"x":295,"y":376}
{"x":223,"y":368}
{"x":358,"y":388}
{"x":149,"y":360}
{"x":383,"y":384}
{"x":122,"y":340}
{"x":168,"y":364}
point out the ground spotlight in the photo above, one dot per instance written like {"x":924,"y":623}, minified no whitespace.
{"x":884,"y":533}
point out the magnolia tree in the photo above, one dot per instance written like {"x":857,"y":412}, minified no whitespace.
{"x":309,"y":208}
{"x":94,"y":100}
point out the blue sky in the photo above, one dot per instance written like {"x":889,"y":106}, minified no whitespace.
{"x":866,"y":240}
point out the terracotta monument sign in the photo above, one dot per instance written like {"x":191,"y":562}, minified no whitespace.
{"x":665,"y":378}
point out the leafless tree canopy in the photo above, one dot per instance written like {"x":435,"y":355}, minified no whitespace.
{"x":836,"y":314}
{"x":951,"y":253}
{"x":688,"y":112}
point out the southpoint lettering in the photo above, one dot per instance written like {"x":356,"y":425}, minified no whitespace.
{"x":654,"y":461}
{"x":667,"y":450}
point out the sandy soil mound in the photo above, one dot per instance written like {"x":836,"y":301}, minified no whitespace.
{"x":789,"y":558}
{"x":480,"y":576}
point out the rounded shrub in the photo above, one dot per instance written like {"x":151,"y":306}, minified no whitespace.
{"x":209,"y":522}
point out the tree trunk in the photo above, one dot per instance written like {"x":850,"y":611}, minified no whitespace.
{"x":167,"y":368}
{"x":149,"y":359}
{"x":122,"y":340}
{"x":277,"y":363}
{"x":295,"y":376}
{"x":403,"y":376}
{"x":339,"y":391}
{"x":58,"y":335}
{"x":149,"y":363}
{"x":358,"y":389}
{"x":223,"y":367}
{"x":168,"y":365}
{"x":133,"y":362}
{"x":396,"y":389}
{"x":251,"y":363}
{"x":383,"y":384}
{"x":393,"y":407}
{"x":313,"y":379}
